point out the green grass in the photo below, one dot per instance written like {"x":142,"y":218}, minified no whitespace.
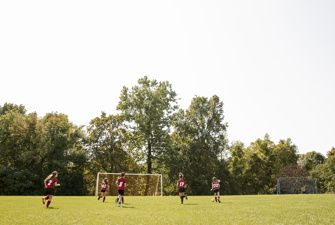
{"x":253,"y":209}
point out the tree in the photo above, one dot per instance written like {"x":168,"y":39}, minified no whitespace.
{"x":285,"y":153}
{"x":325,"y":173}
{"x":259,"y":166}
{"x":236,"y":166}
{"x":148,"y":108}
{"x":293,"y":171}
{"x":7,"y":107}
{"x":107,"y":144}
{"x":61,"y":148}
{"x":311,"y":159}
{"x":198,"y":140}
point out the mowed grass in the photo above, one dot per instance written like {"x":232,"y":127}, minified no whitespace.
{"x":253,"y":209}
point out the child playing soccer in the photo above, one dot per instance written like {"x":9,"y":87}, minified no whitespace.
{"x":104,"y":188}
{"x":216,"y":189}
{"x":181,"y":185}
{"x":121,"y":185}
{"x":49,"y":183}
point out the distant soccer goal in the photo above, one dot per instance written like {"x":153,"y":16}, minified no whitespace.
{"x":296,"y":185}
{"x":137,"y":184}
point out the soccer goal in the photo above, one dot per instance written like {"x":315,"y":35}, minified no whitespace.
{"x":296,"y":185}
{"x":137,"y":184}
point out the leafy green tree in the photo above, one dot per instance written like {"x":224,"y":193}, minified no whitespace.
{"x":236,"y":166}
{"x":325,"y":173}
{"x":198,"y":141}
{"x":259,"y":166}
{"x":285,"y":153}
{"x":107,"y":142}
{"x":12,"y":138}
{"x":61,"y":148}
{"x":311,"y":159}
{"x":9,"y":107}
{"x":148,"y":108}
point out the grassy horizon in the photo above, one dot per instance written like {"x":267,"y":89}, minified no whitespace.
{"x":251,"y":209}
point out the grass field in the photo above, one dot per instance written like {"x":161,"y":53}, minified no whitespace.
{"x":253,"y":209}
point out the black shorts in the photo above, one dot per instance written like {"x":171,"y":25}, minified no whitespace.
{"x":121,"y":192}
{"x":49,"y":191}
{"x":103,"y":191}
{"x":182,"y":190}
{"x":216,"y":190}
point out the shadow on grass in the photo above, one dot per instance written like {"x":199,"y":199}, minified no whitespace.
{"x":50,"y":207}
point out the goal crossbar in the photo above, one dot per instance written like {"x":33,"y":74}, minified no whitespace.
{"x":128,"y":174}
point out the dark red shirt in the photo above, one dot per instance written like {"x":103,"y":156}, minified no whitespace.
{"x":51,"y":183}
{"x":181,"y":183}
{"x":120,"y":183}
{"x":104,"y":186}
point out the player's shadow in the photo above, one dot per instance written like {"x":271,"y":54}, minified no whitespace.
{"x":128,"y":206}
{"x":50,"y":207}
{"x":190,"y":204}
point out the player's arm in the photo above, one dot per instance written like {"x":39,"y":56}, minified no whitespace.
{"x":212,"y":187}
{"x":45,"y":183}
{"x":177,"y":186}
{"x":56,"y":184}
{"x":116,"y":184}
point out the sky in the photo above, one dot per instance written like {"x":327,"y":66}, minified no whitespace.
{"x":272,"y":63}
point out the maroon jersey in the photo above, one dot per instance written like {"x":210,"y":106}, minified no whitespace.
{"x":51,"y":183}
{"x":104,"y":186}
{"x":216,"y":185}
{"x":120,"y":183}
{"x":181,"y":183}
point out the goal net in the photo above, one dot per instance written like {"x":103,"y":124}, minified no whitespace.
{"x":296,"y":185}
{"x":137,"y":184}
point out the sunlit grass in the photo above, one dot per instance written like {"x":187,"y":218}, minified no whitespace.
{"x":255,"y":209}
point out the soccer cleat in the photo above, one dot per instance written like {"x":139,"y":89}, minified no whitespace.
{"x":119,"y":204}
{"x":43,"y":200}
{"x":99,"y":198}
{"x":219,"y":201}
{"x":186,"y":196}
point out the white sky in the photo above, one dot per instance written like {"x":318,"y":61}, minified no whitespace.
{"x":272,"y":63}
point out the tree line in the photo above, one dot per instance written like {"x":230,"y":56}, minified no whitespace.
{"x":151,"y":134}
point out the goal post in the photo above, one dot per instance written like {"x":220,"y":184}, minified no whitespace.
{"x":138,"y":184}
{"x":296,"y":185}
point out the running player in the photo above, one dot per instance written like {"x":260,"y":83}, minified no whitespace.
{"x":49,"y":183}
{"x":121,"y":185}
{"x":181,"y":186}
{"x":216,"y":189}
{"x":104,"y":188}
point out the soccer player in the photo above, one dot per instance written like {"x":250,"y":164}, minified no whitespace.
{"x":104,"y":188}
{"x":49,"y":183}
{"x":181,"y":185}
{"x":121,"y":185}
{"x":216,"y":189}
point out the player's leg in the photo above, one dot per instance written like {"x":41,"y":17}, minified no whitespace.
{"x":49,"y":201}
{"x":44,"y":199}
{"x":219,"y":197}
{"x":100,"y":196}
{"x":121,"y":193}
{"x":215,"y":196}
{"x":120,"y":199}
{"x":181,"y":195}
{"x":104,"y":195}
